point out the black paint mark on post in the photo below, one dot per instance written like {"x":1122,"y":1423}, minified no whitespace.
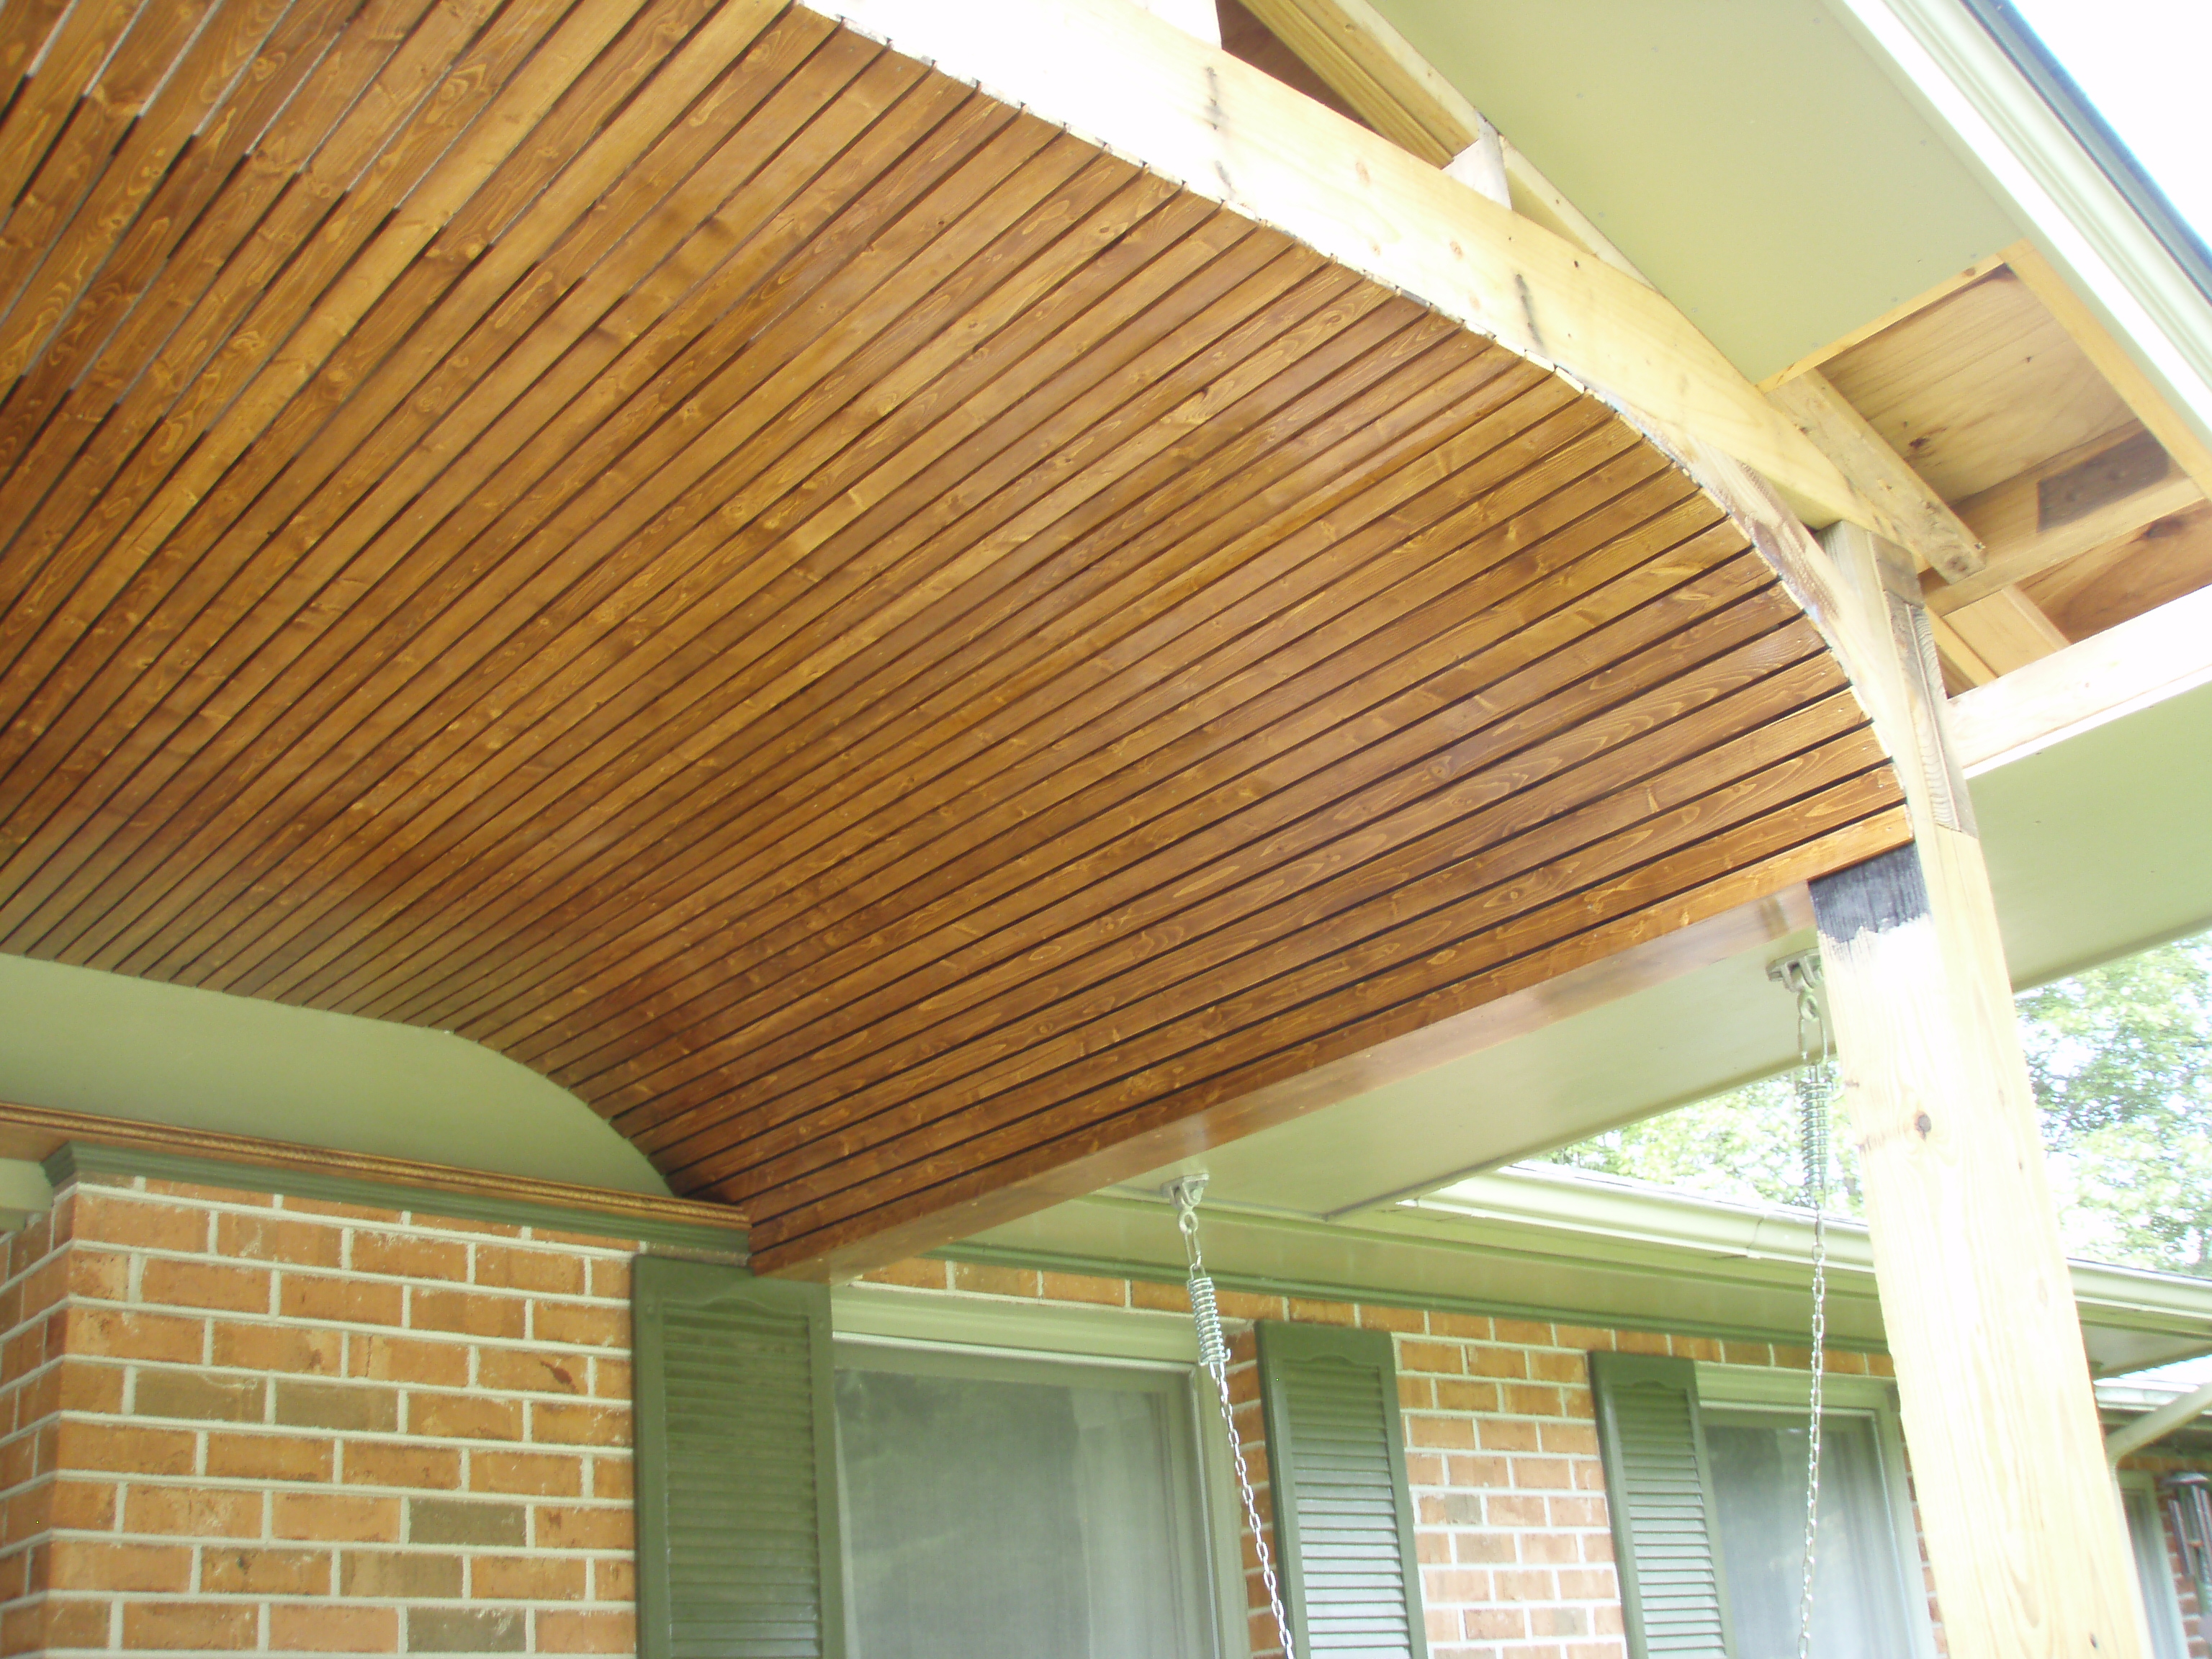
{"x":1874,"y":898}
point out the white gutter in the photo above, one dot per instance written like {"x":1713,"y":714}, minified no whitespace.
{"x":2157,"y":1425}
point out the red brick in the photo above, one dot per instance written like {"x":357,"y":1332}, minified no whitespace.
{"x":545,"y":1474}
{"x":1588,"y":1338}
{"x":188,"y":1625}
{"x":74,"y":1386}
{"x":587,"y":1632}
{"x":192,"y":1511}
{"x":335,"y":1518}
{"x":1508,"y":1437}
{"x":1434,"y":1357}
{"x":343,"y":1212}
{"x":614,"y":1477}
{"x":1404,"y":1321}
{"x":464,"y":1416}
{"x":113,"y":1334}
{"x":981,"y":1278}
{"x":194,"y":1191}
{"x":343,"y":1301}
{"x":915,"y":1274}
{"x":548,"y":1271}
{"x":376,"y":1463}
{"x":559,"y":1528}
{"x":205,"y":1285}
{"x":610,"y":1279}
{"x":1159,"y":1297}
{"x":579,"y":1425}
{"x":407,"y":1255}
{"x":1533,"y":1399}
{"x":323,"y":1628}
{"x":517,"y":1371}
{"x":579,"y":1324}
{"x":468,"y":1313}
{"x":527,"y":1578}
{"x":302,"y":1350}
{"x":1446,"y":1433}
{"x":86,"y":1505}
{"x":269,"y":1239}
{"x":615,"y":1579}
{"x":1577,"y":1439}
{"x":136,"y":1224}
{"x":1243,"y":1304}
{"x":610,"y":1379}
{"x":81,"y":1564}
{"x":1544,"y":1473}
{"x":268,"y":1457}
{"x":127,"y":1449}
{"x":1323,"y":1312}
{"x":77,"y":1623}
{"x":265,"y":1572}
{"x":1547,"y":1365}
{"x":1084,"y":1287}
{"x":98,"y":1275}
{"x":1640,"y":1342}
{"x":410,"y":1359}
{"x":1454,"y":1396}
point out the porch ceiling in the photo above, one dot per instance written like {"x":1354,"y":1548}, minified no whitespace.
{"x":906,"y":659}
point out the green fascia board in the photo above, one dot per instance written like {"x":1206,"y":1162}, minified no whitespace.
{"x":81,"y":1160}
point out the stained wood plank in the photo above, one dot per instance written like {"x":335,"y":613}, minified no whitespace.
{"x":895,"y":652}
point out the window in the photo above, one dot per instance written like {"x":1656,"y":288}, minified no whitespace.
{"x":1705,"y":1479}
{"x":1003,"y":1505}
{"x":2140,"y":1500}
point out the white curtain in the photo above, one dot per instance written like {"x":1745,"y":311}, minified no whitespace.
{"x":1859,"y":1578}
{"x":1033,"y":1514}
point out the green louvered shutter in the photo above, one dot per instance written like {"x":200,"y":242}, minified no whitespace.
{"x":1659,"y":1488}
{"x":1336,"y":1455}
{"x":736,"y":1502}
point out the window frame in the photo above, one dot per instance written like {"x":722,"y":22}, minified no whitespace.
{"x":2163,"y":1611}
{"x":1123,"y":1338}
{"x":1763,"y":1388}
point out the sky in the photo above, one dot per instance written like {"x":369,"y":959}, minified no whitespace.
{"x":2142,"y":62}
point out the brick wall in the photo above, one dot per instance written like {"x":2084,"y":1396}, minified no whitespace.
{"x":237,"y":1423}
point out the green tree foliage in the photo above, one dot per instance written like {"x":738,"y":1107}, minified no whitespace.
{"x":2121,"y":1058}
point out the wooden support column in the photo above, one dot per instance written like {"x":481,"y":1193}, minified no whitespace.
{"x":2022,"y":1524}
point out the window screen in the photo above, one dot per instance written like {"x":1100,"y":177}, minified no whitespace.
{"x":1019,"y":1508}
{"x":1758,"y":1464}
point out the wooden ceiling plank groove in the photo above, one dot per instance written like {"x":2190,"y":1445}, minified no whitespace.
{"x":113,"y":296}
{"x":1260,"y":903}
{"x":1273,"y":699}
{"x":846,"y":775}
{"x":609,"y":82}
{"x":61,"y":197}
{"x":1100,"y":672}
{"x":646,"y":661}
{"x":1459,"y":722}
{"x":1362,"y":971}
{"x":1848,"y":825}
{"x":1107,"y":185}
{"x":236,"y":687}
{"x":25,"y":30}
{"x":326,"y":286}
{"x":846,"y":769}
{"x":300,"y":711}
{"x":215,"y":200}
{"x":634,"y":790}
{"x":1172,"y":856}
{"x":74,"y":46}
{"x":56,"y":276}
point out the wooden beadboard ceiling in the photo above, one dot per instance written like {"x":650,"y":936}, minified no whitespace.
{"x":892,"y":652}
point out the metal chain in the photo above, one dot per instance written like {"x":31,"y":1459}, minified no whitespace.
{"x":1213,"y":1356}
{"x":1814,"y":1096}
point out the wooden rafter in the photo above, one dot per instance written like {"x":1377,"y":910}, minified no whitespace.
{"x":1377,"y":71}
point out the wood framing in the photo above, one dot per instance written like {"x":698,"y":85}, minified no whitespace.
{"x":1372,"y":66}
{"x":2028,"y":1553}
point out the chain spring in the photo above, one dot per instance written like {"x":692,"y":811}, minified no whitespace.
{"x":1815,"y":1101}
{"x":1214,"y":1356}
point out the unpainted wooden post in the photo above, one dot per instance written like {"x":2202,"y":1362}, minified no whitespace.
{"x":2021,"y":1520}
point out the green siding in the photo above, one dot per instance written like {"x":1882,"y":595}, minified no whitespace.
{"x":738,"y":1543}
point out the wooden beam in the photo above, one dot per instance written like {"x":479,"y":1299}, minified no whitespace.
{"x":1376,"y":70}
{"x":1912,"y":307}
{"x":1962,"y":664}
{"x":2091,"y":496}
{"x":1200,"y":18}
{"x":2026,"y":1543}
{"x":2189,"y":452}
{"x":1922,"y":524}
{"x":2144,"y":661}
{"x":1534,"y":196}
{"x":1233,"y":134}
{"x":2007,"y":630}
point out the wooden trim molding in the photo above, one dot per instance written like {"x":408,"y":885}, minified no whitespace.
{"x":80,"y":1144}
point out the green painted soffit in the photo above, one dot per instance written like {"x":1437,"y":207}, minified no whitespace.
{"x":1751,"y":157}
{"x":80,"y":1039}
